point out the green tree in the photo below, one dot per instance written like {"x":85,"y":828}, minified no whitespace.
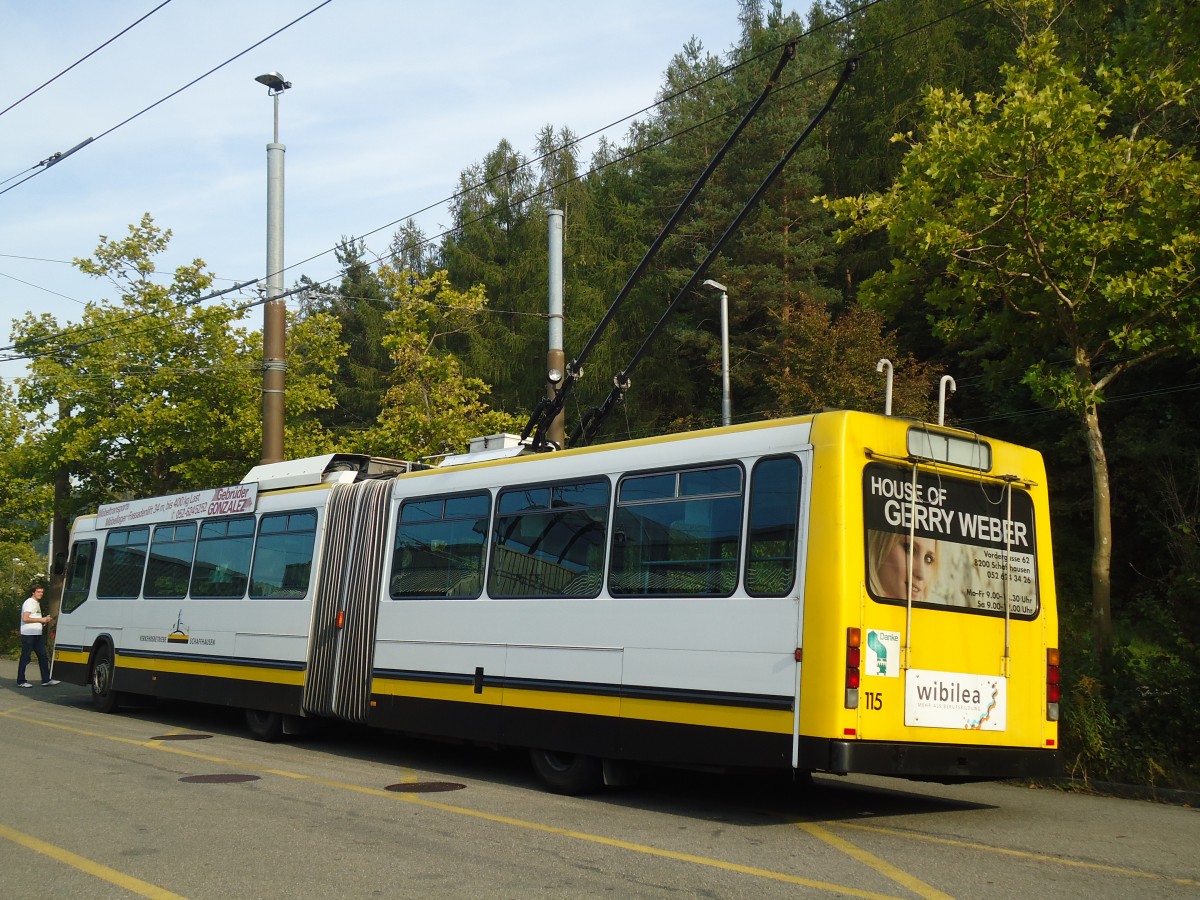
{"x":431,"y":407}
{"x":499,"y":241}
{"x":360,"y":306}
{"x":1035,"y":227}
{"x":821,"y":361}
{"x":26,"y":502}
{"x":156,"y":392}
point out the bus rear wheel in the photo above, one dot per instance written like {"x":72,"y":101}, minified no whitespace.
{"x":568,"y":773}
{"x":104,"y":698}
{"x":265,"y":726}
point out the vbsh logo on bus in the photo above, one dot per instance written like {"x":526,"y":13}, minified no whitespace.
{"x":954,"y":700}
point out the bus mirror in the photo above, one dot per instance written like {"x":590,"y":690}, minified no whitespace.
{"x":60,"y":562}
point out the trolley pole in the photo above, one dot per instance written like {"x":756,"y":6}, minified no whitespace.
{"x":275,"y":309}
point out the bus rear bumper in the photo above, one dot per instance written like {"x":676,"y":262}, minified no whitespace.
{"x":941,"y":762}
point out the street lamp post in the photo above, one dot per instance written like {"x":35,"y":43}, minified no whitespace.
{"x":274,"y":310}
{"x":726,"y":404}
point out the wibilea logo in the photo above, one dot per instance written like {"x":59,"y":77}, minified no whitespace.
{"x":948,"y":692}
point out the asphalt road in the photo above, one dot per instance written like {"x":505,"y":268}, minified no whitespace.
{"x":178,"y":801}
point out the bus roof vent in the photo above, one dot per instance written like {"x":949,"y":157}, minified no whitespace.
{"x":483,"y":449}
{"x":502,"y":441}
{"x":332,"y":468}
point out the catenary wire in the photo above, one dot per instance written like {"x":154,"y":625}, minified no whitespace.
{"x":47,"y":163}
{"x":528,"y":163}
{"x":17,"y":103}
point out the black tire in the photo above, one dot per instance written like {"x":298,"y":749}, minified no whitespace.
{"x":104,"y":698}
{"x":568,"y":773}
{"x":264,"y":726}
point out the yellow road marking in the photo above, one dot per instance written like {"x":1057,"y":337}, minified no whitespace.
{"x":95,"y":869}
{"x":918,"y":887}
{"x":1022,"y":854}
{"x":707,"y":862}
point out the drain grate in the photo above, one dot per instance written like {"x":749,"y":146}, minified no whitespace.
{"x":180,"y":737}
{"x":424,"y":787}
{"x":218,"y":779}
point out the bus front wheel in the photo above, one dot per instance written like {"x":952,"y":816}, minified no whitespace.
{"x":104,"y":698}
{"x":568,"y":773}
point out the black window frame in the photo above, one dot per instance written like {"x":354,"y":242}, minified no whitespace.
{"x":798,"y":525}
{"x":681,"y":495}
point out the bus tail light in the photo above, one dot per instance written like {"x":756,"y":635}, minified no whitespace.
{"x":853,"y":659}
{"x":1053,"y":684}
{"x":340,"y":622}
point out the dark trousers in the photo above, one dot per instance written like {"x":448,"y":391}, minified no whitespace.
{"x":30,"y":644}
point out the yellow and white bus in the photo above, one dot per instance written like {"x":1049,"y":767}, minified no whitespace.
{"x":841,"y":592}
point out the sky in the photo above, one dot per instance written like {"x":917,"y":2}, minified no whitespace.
{"x":390,"y":101}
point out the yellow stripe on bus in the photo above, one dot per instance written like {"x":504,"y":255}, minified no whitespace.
{"x":212,"y":669}
{"x":742,"y":718}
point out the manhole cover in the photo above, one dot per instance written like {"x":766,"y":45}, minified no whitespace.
{"x":218,"y":779}
{"x":180,"y":737}
{"x":425,"y":787}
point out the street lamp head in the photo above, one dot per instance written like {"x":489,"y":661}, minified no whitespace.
{"x":715,"y":285}
{"x":274,"y":82}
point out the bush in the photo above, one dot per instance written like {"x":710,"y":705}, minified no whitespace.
{"x":1126,"y":724}
{"x":10,"y":624}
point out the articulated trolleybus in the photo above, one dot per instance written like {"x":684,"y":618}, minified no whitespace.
{"x":841,"y":592}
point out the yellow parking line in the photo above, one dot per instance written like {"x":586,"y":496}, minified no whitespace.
{"x":707,"y":862}
{"x":95,"y":869}
{"x":1023,"y":854}
{"x":918,"y":887}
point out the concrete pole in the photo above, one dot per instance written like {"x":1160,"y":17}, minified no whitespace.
{"x":555,"y":358}
{"x":274,"y":310}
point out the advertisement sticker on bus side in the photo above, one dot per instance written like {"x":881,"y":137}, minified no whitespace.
{"x":223,"y":501}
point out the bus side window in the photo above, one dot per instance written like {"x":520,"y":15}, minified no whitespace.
{"x":222,"y":566}
{"x":123,"y":563}
{"x":283,"y":555}
{"x":439,"y":547}
{"x":678,"y":533}
{"x":170,"y":566}
{"x":774,"y":527}
{"x":549,"y":541}
{"x":79,"y":575}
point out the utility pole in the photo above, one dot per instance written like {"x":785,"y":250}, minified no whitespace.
{"x":556,"y":360}
{"x":275,"y":309}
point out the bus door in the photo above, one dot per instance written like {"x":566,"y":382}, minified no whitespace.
{"x":341,"y":648}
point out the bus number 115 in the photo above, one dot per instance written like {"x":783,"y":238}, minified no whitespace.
{"x":874,"y":700}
